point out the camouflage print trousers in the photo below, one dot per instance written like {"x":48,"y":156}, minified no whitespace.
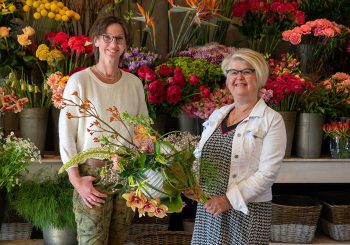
{"x":108,"y":224}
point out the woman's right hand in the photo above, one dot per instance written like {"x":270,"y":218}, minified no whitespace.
{"x":83,"y":185}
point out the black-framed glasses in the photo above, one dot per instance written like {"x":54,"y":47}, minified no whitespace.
{"x":235,"y":73}
{"x":109,"y":38}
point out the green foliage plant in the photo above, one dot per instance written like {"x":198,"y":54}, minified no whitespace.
{"x":16,"y":154}
{"x":45,"y":204}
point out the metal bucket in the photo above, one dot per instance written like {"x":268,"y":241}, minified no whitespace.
{"x":53,"y":236}
{"x":308,"y":135}
{"x":289,"y":118}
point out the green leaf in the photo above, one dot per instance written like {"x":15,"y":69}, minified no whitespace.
{"x":179,"y":9}
{"x":139,"y":18}
{"x":160,"y":158}
{"x":174,"y":204}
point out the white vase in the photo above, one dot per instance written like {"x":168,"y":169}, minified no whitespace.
{"x":154,"y":179}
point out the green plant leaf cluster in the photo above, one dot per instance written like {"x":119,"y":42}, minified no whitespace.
{"x":46,"y":203}
{"x":209,"y":74}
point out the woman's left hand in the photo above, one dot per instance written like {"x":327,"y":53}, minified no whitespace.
{"x":218,"y":204}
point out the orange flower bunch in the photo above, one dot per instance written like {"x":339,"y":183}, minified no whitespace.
{"x":337,"y":129}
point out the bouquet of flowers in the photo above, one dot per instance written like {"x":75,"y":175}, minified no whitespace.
{"x":337,"y":98}
{"x":15,"y":157}
{"x":262,"y":22}
{"x":318,"y":41}
{"x":178,"y":82}
{"x":32,"y":94}
{"x":151,"y":170}
{"x":285,"y":83}
{"x":205,"y":106}
{"x":339,"y":132}
{"x":11,"y":102}
{"x":65,"y":55}
{"x":134,"y":58}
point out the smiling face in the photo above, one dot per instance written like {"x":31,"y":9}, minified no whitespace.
{"x":241,"y":81}
{"x":111,"y":50}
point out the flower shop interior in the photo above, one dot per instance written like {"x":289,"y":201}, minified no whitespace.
{"x":176,"y":51}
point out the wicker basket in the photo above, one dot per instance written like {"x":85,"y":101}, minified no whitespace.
{"x":163,"y":238}
{"x":147,"y":224}
{"x":16,"y":231}
{"x":335,"y":214}
{"x":294,"y":219}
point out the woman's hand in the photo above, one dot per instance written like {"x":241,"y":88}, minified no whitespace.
{"x":83,"y":185}
{"x":217,"y":205}
{"x":88,"y":193}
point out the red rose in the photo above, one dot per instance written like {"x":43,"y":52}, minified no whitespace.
{"x":178,"y":70}
{"x":141,"y":72}
{"x":126,"y":69}
{"x":150,"y":75}
{"x":204,"y":91}
{"x":65,"y":47}
{"x":179,"y":79}
{"x":173,"y":94}
{"x":165,"y":71}
{"x":156,"y":92}
{"x":193,"y":79}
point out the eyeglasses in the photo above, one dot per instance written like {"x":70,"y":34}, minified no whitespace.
{"x":109,"y":38}
{"x":235,"y":73}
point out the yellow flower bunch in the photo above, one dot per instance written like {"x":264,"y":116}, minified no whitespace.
{"x":24,"y":39}
{"x":51,"y":56}
{"x":54,"y":10}
{"x":7,"y":7}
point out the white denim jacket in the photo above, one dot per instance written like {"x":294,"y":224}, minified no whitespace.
{"x":258,"y":149}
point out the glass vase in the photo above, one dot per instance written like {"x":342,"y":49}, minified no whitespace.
{"x":340,"y":147}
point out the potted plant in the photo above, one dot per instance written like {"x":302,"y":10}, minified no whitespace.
{"x":15,"y":156}
{"x":48,"y":206}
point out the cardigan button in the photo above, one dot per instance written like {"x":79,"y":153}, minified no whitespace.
{"x":234,"y":175}
{"x":236,"y":156}
{"x":239,"y":135}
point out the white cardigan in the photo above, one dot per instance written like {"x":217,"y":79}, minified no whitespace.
{"x":258,"y":149}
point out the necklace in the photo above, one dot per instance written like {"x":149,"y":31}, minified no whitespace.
{"x":236,"y":116}
{"x":110,"y":78}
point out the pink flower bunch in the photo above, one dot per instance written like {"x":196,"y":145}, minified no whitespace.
{"x":11,"y":102}
{"x":205,"y":106}
{"x":57,"y":83}
{"x":319,"y":27}
{"x":337,"y":101}
{"x":263,"y":21}
{"x":168,"y":89}
{"x":285,"y":83}
{"x":214,"y":53}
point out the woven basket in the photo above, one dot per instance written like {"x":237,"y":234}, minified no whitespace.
{"x":16,"y":231}
{"x":163,"y":238}
{"x":294,"y":219}
{"x":336,"y":214}
{"x":338,"y":232}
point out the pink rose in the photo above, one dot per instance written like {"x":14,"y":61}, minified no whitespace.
{"x":150,"y":75}
{"x":204,"y":91}
{"x":295,"y":38}
{"x":193,"y":79}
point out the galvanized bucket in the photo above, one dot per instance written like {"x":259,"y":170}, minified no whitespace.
{"x":308,"y":135}
{"x":53,"y":236}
